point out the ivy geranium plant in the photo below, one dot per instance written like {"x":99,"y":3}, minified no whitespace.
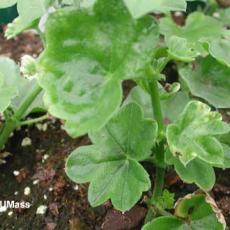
{"x":90,"y":49}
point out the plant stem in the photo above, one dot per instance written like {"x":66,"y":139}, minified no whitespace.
{"x":6,"y":114}
{"x":156,"y":104}
{"x":159,"y":183}
{"x":160,"y":172}
{"x":28,"y":101}
{"x":14,"y":121}
{"x":36,"y":120}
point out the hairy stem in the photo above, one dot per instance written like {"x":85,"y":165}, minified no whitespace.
{"x":14,"y":121}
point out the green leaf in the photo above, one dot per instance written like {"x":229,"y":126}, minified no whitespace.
{"x":224,"y":16}
{"x":201,"y":211}
{"x":197,"y":28}
{"x":179,"y":49}
{"x":139,"y":8}
{"x":82,"y":69}
{"x":225,"y":141}
{"x":192,"y":135}
{"x":9,"y":81}
{"x":208,"y":80}
{"x":14,"y":89}
{"x":7,"y":3}
{"x":28,"y":16}
{"x":111,"y":163}
{"x":196,"y":171}
{"x":25,"y":89}
{"x":220,"y":49}
{"x":165,"y":223}
{"x":141,"y":97}
{"x":192,"y":36}
{"x":178,"y":101}
{"x":193,"y":212}
{"x":81,"y":3}
{"x":166,"y":200}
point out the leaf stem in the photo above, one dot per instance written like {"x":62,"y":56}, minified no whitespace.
{"x":157,"y":111}
{"x":14,"y":121}
{"x":35,"y":120}
{"x":6,"y":114}
{"x":156,"y":104}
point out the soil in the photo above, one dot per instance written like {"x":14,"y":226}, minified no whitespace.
{"x":26,"y":43}
{"x":34,"y":172}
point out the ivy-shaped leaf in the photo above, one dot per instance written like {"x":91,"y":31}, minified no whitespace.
{"x":194,"y":35}
{"x":193,"y":212}
{"x":29,"y":14}
{"x":111,"y":163}
{"x":82,"y":68}
{"x":193,"y":134}
{"x":196,"y":171}
{"x":208,"y":80}
{"x":139,"y":8}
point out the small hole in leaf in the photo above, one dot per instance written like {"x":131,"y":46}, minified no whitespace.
{"x":190,"y":210}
